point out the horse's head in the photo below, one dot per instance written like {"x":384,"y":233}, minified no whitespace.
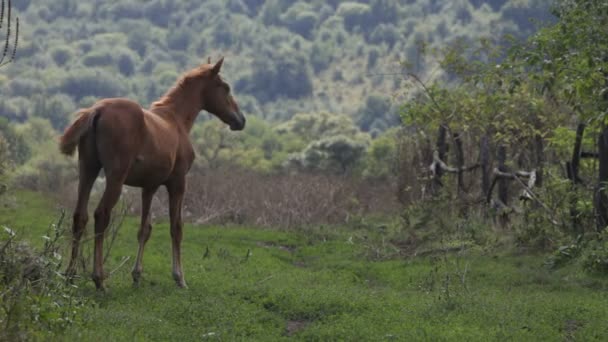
{"x":217,"y":98}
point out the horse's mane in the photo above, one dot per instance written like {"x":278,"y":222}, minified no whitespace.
{"x":179,"y":86}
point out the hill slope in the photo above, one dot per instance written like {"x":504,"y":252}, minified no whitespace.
{"x":283,"y":56}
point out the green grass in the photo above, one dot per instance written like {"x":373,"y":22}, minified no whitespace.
{"x":262,"y":284}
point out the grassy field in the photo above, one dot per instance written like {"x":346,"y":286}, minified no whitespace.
{"x":262,"y":284}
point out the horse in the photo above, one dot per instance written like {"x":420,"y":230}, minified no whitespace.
{"x":145,"y":148}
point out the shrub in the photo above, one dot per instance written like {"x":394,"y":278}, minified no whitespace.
{"x":300,"y":19}
{"x":61,"y":55}
{"x":25,"y":87}
{"x":126,"y":65}
{"x":91,"y":82}
{"x":56,"y":109}
{"x":595,"y":257}
{"x":338,"y":154}
{"x":354,"y":14}
{"x":283,"y":76}
{"x":35,"y":299}
{"x":98,"y":58}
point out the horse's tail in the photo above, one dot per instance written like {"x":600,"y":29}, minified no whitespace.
{"x":71,"y":137}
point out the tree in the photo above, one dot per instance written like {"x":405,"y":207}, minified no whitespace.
{"x":338,"y":154}
{"x":570,"y":63}
{"x":314,"y":126}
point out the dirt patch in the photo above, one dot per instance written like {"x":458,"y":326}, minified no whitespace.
{"x":270,"y":244}
{"x":570,"y":328}
{"x":300,"y":264}
{"x":294,"y":327}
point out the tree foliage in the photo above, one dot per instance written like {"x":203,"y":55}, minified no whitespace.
{"x":288,"y":56}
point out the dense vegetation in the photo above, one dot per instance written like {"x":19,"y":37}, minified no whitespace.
{"x":284,"y":57}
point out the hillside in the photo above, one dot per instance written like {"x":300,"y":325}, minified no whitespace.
{"x":283,"y":57}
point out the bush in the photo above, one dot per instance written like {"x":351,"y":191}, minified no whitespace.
{"x":35,"y":299}
{"x":385,"y":33}
{"x":18,"y":149}
{"x":98,"y":58}
{"x":338,"y":154}
{"x":595,"y":257}
{"x":300,"y":19}
{"x":25,"y":87}
{"x":61,"y":55}
{"x":355,"y":14}
{"x":56,"y":109}
{"x":282,"y":76}
{"x":126,"y":65}
{"x":91,"y":82}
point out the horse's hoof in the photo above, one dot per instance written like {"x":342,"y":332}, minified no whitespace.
{"x":136,"y":278}
{"x":98,"y":280}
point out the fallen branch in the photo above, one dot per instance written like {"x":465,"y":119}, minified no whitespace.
{"x":527,"y":194}
{"x":438,"y":163}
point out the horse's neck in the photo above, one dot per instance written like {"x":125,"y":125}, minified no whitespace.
{"x":180,"y":109}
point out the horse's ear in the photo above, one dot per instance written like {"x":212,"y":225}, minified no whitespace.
{"x":218,"y":66}
{"x":209,"y":60}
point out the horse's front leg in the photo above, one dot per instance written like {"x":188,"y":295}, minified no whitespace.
{"x":145,"y":229}
{"x":176,"y":191}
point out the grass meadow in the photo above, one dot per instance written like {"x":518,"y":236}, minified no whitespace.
{"x":316,"y":284}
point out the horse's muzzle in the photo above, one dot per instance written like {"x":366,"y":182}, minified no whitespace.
{"x":239,"y":123}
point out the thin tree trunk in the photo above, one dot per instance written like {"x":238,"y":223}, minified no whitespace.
{"x":601,"y":200}
{"x":576,"y":155}
{"x":484,"y":159}
{"x":572,"y":168}
{"x":441,"y":150}
{"x":459,"y":161}
{"x":539,"y":151}
{"x":503,"y":184}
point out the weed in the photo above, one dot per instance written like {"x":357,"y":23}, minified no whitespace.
{"x":34,"y":296}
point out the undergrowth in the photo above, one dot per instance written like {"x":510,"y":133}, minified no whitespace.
{"x":35,"y":299}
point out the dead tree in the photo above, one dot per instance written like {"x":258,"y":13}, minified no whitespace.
{"x":572,"y":171}
{"x":601,"y":199}
{"x":8,"y":54}
{"x":442,"y":148}
{"x":484,"y":161}
{"x":457,"y":139}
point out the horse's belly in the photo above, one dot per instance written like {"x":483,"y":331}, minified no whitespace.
{"x":144,"y":174}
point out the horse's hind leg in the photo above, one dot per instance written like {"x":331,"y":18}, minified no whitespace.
{"x":110,"y":196}
{"x":145,"y":230}
{"x":88,"y":168}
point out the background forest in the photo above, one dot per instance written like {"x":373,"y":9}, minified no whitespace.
{"x":319,"y":80}
{"x":451,"y":153}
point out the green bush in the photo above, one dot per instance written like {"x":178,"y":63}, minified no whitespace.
{"x":126,"y":64}
{"x":595,"y":257}
{"x":284,"y":76}
{"x":91,"y":82}
{"x":300,"y":19}
{"x":98,"y":58}
{"x":61,"y":55}
{"x":355,"y":14}
{"x":35,"y":299}
{"x":339,"y":154}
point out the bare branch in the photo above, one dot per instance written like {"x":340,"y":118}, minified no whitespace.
{"x":438,"y":163}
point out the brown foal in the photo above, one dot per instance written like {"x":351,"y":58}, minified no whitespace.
{"x":146,"y":149}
